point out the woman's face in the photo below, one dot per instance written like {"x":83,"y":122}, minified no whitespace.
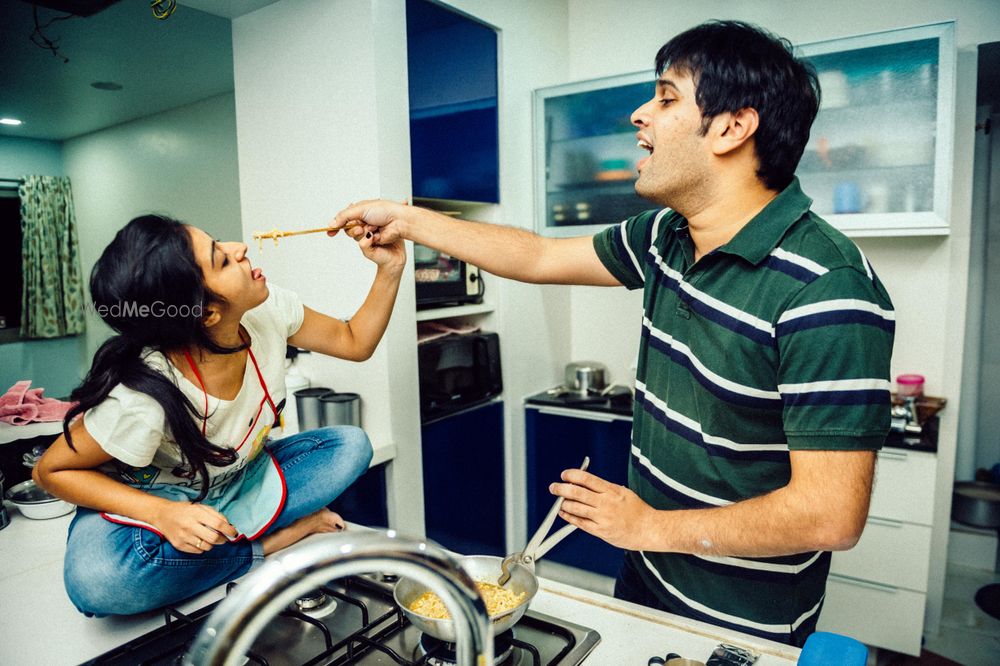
{"x":228,"y":272}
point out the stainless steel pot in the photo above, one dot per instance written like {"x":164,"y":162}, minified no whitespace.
{"x":976,"y":503}
{"x":35,"y":503}
{"x":482,"y":568}
{"x":340,"y":408}
{"x":586,"y":376}
{"x":308,"y":407}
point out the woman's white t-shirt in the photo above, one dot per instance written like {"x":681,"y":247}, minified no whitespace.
{"x":131,"y":426}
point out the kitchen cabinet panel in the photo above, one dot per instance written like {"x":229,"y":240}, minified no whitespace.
{"x":904,"y":486}
{"x":364,"y":501}
{"x":890,"y":552}
{"x":585,"y":154}
{"x":880,"y":615}
{"x":464,"y":480}
{"x":878,"y":162}
{"x":452,"y":70}
{"x":879,"y":157}
{"x":557,"y":439}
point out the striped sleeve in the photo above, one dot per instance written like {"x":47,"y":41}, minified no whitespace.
{"x":834,"y":344}
{"x":622,"y":248}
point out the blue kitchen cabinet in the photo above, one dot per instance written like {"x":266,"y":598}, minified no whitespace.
{"x":464,"y":480}
{"x":364,"y":500}
{"x":557,"y":439}
{"x":452,"y":71}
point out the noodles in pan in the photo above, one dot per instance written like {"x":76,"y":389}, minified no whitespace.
{"x":498,"y":601}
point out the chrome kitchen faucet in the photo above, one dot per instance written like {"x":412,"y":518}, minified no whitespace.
{"x":232,"y":627}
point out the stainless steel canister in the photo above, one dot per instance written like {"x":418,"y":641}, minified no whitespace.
{"x":341,"y":408}
{"x":310,"y":411}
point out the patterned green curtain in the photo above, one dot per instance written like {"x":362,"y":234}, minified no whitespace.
{"x":52,"y":303}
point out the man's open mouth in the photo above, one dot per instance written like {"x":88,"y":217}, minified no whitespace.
{"x":647,"y":146}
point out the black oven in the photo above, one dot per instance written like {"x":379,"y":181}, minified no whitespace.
{"x":444,"y":280}
{"x":457,"y":371}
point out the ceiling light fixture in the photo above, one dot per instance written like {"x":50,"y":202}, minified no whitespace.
{"x":106,"y":85}
{"x":10,"y":121}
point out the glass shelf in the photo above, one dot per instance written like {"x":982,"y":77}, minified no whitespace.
{"x":586,"y":153}
{"x":881,"y":143}
{"x":609,"y":187}
{"x":878,"y":161}
{"x":431,"y":314}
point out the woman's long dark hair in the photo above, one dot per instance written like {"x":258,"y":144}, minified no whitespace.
{"x":151,"y":264}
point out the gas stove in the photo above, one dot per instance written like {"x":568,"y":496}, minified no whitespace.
{"x":354,"y":620}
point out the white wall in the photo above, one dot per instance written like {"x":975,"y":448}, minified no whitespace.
{"x":322,"y":116}
{"x":180,"y":163}
{"x":532,"y":321}
{"x":322,"y":121}
{"x":54,"y":365}
{"x":925,"y":277}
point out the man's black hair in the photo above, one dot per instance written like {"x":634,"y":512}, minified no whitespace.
{"x":737,"y":65}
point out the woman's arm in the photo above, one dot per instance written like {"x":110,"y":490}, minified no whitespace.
{"x":356,"y":340}
{"x":72,"y":476}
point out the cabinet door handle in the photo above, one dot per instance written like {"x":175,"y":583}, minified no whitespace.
{"x":577,"y":414}
{"x":885,"y":522}
{"x":893,"y":455}
{"x":891,"y":589}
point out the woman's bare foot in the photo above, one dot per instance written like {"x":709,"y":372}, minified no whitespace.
{"x":323,"y":520}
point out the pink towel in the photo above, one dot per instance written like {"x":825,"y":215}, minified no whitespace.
{"x":21,"y":405}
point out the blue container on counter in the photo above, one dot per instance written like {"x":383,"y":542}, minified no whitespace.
{"x":827,"y":649}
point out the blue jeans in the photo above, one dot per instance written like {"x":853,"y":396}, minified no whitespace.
{"x":113,"y":569}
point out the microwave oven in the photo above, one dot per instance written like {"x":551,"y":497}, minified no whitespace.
{"x":456,"y":372}
{"x":444,"y":280}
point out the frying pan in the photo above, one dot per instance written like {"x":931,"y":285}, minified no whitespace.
{"x":483,"y":568}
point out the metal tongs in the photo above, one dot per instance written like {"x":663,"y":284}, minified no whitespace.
{"x":536,"y":546}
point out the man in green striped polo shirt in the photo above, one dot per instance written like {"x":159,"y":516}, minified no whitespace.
{"x":762,"y":390}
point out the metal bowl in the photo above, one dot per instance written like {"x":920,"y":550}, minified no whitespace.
{"x":976,"y":503}
{"x":37,"y":504}
{"x":482,"y":568}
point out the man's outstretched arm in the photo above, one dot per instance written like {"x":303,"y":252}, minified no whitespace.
{"x":505,"y":251}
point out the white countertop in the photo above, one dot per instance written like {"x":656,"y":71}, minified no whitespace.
{"x":10,"y":433}
{"x":40,"y":626}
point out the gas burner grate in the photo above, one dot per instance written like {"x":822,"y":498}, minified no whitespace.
{"x":367,"y":629}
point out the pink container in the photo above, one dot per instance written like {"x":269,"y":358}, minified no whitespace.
{"x":909,"y":386}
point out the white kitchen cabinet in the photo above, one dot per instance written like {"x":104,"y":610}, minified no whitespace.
{"x":880,"y":153}
{"x":890,"y":552}
{"x":877,"y":591}
{"x":878,"y":615}
{"x":879,"y":157}
{"x":585,"y":154}
{"x":904,"y":486}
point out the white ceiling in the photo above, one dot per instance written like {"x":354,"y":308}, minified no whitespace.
{"x":161,"y":64}
{"x":228,"y":8}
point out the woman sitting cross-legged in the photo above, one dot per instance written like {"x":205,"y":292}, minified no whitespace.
{"x":167,"y":451}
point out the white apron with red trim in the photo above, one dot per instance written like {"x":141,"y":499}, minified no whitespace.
{"x":250,"y":493}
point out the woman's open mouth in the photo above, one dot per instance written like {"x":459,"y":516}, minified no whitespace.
{"x":257,"y":274}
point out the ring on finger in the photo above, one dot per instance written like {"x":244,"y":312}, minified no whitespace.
{"x":198,"y":545}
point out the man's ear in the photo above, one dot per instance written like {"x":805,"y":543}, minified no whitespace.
{"x":732,"y":130}
{"x":212,"y":316}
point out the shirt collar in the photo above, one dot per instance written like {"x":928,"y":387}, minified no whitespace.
{"x":762,"y":234}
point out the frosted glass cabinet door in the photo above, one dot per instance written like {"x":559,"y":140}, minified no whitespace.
{"x":879,"y":156}
{"x":586,"y":154}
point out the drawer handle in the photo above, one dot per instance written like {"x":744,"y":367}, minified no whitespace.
{"x":577,"y":414}
{"x":893,"y":455}
{"x":898,"y":524}
{"x":879,"y":587}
